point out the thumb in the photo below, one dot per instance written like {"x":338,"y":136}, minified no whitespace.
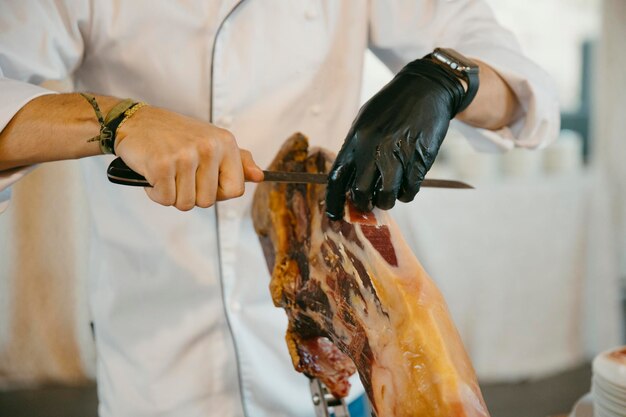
{"x":251,"y":170}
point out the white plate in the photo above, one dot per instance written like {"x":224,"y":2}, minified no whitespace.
{"x":608,"y":399}
{"x":604,"y":396}
{"x":610,"y":408}
{"x":608,"y":386}
{"x":611,"y":365}
{"x":600,"y":410}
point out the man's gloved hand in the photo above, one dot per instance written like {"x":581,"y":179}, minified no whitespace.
{"x":394,"y":139}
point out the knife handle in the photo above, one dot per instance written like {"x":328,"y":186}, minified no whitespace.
{"x":119,"y":173}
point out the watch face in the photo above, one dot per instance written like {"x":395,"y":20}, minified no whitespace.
{"x":455,"y":60}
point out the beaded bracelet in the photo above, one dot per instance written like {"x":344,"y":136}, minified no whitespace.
{"x":121,"y":112}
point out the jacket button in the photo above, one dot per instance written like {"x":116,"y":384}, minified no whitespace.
{"x":311,"y":14}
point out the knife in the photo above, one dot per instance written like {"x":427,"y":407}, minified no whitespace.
{"x":119,"y":173}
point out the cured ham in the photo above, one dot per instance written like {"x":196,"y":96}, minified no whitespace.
{"x":357,"y":299}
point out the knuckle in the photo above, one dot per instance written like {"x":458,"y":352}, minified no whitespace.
{"x":385,"y":202}
{"x":167,"y":200}
{"x":227,"y":136}
{"x":233,"y":189}
{"x":164,"y":199}
{"x":186,"y":157}
{"x":229,"y":142}
{"x":205,"y":202}
{"x":428,"y":153}
{"x":407,"y":198}
{"x":159,"y":167}
{"x":239,"y":191}
{"x":206,"y":147}
{"x":221,"y":134}
{"x":408,"y":195}
{"x":185,"y":205}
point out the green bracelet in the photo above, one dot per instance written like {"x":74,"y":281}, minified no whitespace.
{"x":109,"y":124}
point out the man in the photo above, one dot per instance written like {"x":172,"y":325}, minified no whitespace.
{"x":183,"y":322}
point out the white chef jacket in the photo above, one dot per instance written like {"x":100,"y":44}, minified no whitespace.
{"x":183,"y":318}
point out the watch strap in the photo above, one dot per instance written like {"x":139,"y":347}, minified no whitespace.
{"x":472,"y":88}
{"x":470,"y":77}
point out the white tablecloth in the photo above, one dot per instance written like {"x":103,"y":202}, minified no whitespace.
{"x":528,"y":268}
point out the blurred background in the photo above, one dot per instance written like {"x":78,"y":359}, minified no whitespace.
{"x":532,"y":262}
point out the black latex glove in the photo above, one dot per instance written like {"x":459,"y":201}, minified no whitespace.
{"x":394,"y":139}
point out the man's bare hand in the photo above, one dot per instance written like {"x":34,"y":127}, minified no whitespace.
{"x":188,"y":162}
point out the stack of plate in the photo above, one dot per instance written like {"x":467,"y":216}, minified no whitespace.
{"x":609,"y":383}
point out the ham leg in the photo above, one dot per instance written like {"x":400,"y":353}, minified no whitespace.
{"x":358,"y":299}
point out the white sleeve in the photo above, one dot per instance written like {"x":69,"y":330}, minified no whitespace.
{"x":401,"y":31}
{"x":39,"y":40}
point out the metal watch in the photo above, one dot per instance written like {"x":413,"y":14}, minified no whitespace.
{"x":463,"y":67}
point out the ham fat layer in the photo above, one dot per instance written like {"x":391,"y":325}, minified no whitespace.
{"x":357,"y":299}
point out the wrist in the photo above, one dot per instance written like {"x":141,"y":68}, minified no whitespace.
{"x":464,"y":69}
{"x":110,"y":123}
{"x":495,"y":105}
{"x":130,"y":122}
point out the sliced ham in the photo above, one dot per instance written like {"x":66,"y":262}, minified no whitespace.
{"x":357,"y":299}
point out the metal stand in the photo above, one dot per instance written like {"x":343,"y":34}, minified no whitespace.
{"x":325,"y":402}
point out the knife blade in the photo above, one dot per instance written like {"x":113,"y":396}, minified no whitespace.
{"x":119,"y":173}
{"x":317,"y":178}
